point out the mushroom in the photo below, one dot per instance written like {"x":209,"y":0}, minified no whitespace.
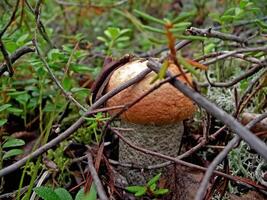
{"x":156,"y":120}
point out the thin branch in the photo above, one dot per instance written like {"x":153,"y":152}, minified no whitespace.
{"x":73,"y":127}
{"x":66,"y":94}
{"x":228,"y":120}
{"x":205,"y":181}
{"x":249,"y":89}
{"x":115,"y":4}
{"x":175,"y":160}
{"x":231,"y":53}
{"x":15,"y":56}
{"x":2,"y":47}
{"x":12,"y":18}
{"x":208,"y":32}
{"x":99,"y":187}
{"x":238,"y":55}
{"x":40,"y":25}
{"x":7,"y":58}
{"x":236,"y":80}
{"x":214,"y":135}
{"x":154,"y":52}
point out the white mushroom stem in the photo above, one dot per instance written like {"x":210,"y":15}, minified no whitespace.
{"x":165,"y":139}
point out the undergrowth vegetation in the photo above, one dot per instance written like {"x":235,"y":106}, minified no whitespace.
{"x":53,"y":51}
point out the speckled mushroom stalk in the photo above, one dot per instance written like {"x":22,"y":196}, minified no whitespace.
{"x":157,"y":120}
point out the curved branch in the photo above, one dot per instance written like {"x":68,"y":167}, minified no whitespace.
{"x":16,"y":55}
{"x":205,"y":181}
{"x":74,"y":126}
{"x":228,"y":120}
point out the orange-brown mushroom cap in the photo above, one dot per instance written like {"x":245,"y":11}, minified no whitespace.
{"x":165,"y":105}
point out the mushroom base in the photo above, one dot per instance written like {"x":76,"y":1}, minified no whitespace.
{"x":164,"y":139}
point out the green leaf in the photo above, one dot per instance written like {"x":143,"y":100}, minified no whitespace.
{"x":112,"y":32}
{"x":153,"y":187}
{"x":227,"y":18}
{"x":46,"y":193}
{"x":187,"y":65}
{"x":51,"y":107}
{"x":157,"y":41}
{"x":124,"y":31}
{"x":16,"y":93}
{"x":81,"y":93}
{"x":102,"y":39}
{"x":12,"y":152}
{"x":92,"y":195}
{"x":163,"y":70}
{"x":152,"y":29}
{"x":243,"y":3}
{"x":15,"y":110}
{"x":79,"y":36}
{"x":141,"y":192}
{"x":135,"y":188}
{"x":261,"y":24}
{"x":23,"y":98}
{"x":244,"y":84}
{"x":183,"y":16}
{"x":5,"y":106}
{"x":161,"y":73}
{"x":67,"y":83}
{"x":13,"y":142}
{"x":2,"y":122}
{"x":33,"y":103}
{"x":55,"y":54}
{"x":123,"y":39}
{"x":178,"y":30}
{"x":21,"y":40}
{"x":189,"y":37}
{"x":81,"y":68}
{"x":182,"y":25}
{"x":238,"y":11}
{"x":149,"y":17}
{"x":11,"y":46}
{"x":63,"y":194}
{"x":154,"y":180}
{"x":80,"y":195}
{"x":209,"y":48}
{"x":229,"y":11}
{"x":161,"y":191}
{"x":75,"y":90}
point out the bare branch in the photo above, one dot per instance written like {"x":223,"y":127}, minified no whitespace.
{"x":231,"y":53}
{"x":238,"y":55}
{"x":66,"y":94}
{"x":228,"y":120}
{"x":73,"y":127}
{"x":208,"y":32}
{"x":99,"y":187}
{"x":115,"y":4}
{"x":15,"y":56}
{"x":205,"y":181}
{"x":239,"y":78}
{"x":7,"y":58}
{"x":12,"y":18}
{"x":40,"y":25}
{"x":166,"y":157}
